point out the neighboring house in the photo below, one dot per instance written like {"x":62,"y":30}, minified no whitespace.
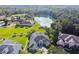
{"x":8,"y":18}
{"x":2,"y":23}
{"x":6,"y":49}
{"x":14,"y":18}
{"x":9,"y":47}
{"x":24,"y":23}
{"x":2,"y":17}
{"x":66,"y":39}
{"x":38,"y":40}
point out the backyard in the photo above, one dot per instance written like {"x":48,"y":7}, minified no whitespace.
{"x":19,"y":35}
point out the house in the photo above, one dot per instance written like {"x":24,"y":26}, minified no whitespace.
{"x":10,"y":47}
{"x":6,"y":49}
{"x":2,"y":17}
{"x":9,"y":18}
{"x":38,"y":40}
{"x":2,"y":23}
{"x":14,"y":18}
{"x":24,"y":23}
{"x":67,"y":40}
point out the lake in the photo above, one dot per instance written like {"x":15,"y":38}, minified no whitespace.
{"x":44,"y":21}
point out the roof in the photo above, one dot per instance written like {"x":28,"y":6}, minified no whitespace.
{"x":8,"y":18}
{"x":2,"y":23}
{"x":6,"y":49}
{"x":9,"y":45}
{"x":65,"y":39}
{"x":38,"y":40}
{"x":2,"y":17}
{"x":25,"y":22}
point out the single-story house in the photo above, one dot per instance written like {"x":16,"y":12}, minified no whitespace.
{"x":6,"y":49}
{"x":67,"y":40}
{"x":2,"y":23}
{"x":38,"y":40}
{"x":10,"y":47}
{"x":9,"y":18}
{"x":25,"y":23}
{"x":2,"y":17}
{"x":14,"y":18}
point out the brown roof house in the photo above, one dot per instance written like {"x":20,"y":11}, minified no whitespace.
{"x":67,"y":41}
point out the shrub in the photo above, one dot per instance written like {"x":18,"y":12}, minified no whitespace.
{"x":55,"y":50}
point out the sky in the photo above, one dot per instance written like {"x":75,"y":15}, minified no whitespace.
{"x":42,"y":6}
{"x":39,"y":2}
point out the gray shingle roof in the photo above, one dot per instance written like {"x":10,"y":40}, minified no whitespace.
{"x":25,"y":23}
{"x":10,"y":47}
{"x":6,"y":49}
{"x":65,"y":39}
{"x":38,"y":40}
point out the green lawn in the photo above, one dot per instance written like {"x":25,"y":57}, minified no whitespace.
{"x":24,"y":32}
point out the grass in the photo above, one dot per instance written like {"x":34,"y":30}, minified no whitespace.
{"x":1,"y":41}
{"x":24,"y":32}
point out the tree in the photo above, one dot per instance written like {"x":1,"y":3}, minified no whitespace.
{"x":50,"y":33}
{"x":54,"y":50}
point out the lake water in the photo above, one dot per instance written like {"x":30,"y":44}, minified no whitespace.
{"x":44,"y":21}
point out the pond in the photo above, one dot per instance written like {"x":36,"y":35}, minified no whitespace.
{"x":44,"y":21}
